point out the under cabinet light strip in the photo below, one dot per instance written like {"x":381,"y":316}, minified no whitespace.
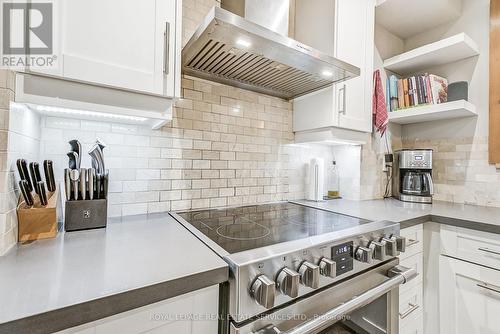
{"x":88,"y":113}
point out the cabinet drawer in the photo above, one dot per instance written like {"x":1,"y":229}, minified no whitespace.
{"x":414,"y":240}
{"x":410,"y":305}
{"x":469,"y":297}
{"x":478,"y":247}
{"x":416,"y":262}
{"x":413,"y":327}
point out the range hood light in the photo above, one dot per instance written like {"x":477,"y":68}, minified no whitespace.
{"x":243,"y":43}
{"x":327,"y":73}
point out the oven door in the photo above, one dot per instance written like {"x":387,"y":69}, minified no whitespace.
{"x":366,"y":303}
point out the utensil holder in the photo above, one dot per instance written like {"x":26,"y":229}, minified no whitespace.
{"x":37,"y":222}
{"x":85,"y":214}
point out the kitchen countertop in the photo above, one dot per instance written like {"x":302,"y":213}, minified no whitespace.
{"x":474,"y":217}
{"x":79,"y":277}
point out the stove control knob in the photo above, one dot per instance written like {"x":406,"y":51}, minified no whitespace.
{"x":390,"y":246}
{"x":287,"y":282}
{"x":327,"y":267}
{"x":400,"y":243}
{"x":309,"y":274}
{"x":263,"y":291}
{"x":378,"y":250}
{"x":364,"y":254}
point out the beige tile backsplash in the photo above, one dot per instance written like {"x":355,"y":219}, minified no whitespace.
{"x":461,"y":170}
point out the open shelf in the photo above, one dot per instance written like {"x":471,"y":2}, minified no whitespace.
{"x":445,"y":51}
{"x":433,"y":112}
{"x":419,"y":16}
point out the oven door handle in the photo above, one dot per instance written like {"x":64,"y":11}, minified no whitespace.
{"x":398,"y":275}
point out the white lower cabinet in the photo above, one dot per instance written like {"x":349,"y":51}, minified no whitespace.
{"x":469,"y":298}
{"x":192,"y":313}
{"x":411,"y":293}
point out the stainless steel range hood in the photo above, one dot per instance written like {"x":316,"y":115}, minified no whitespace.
{"x":233,"y":50}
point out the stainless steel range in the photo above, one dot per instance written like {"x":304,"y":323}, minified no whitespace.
{"x":297,"y":269}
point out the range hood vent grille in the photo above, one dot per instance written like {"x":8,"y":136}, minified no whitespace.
{"x":267,"y":62}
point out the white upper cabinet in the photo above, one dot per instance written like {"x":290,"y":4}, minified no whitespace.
{"x":347,"y":30}
{"x":120,"y":43}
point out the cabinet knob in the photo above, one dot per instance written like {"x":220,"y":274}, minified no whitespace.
{"x":309,"y":274}
{"x":288,"y":282}
{"x":263,"y":291}
{"x":364,"y":254}
{"x":327,"y":267}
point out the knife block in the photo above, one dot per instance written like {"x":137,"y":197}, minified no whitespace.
{"x":37,"y":222}
{"x":85,"y":214}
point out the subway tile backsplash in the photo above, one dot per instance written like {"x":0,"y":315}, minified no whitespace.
{"x":224,"y":146}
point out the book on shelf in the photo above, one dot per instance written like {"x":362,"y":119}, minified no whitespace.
{"x":417,"y":90}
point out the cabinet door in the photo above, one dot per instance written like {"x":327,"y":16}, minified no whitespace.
{"x":119,"y":43}
{"x":469,"y":297}
{"x":354,"y":39}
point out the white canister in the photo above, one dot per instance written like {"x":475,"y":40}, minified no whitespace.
{"x":316,"y":181}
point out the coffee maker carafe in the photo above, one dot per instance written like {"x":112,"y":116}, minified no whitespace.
{"x":412,"y":179}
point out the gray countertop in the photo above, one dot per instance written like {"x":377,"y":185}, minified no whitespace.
{"x":468,"y":216}
{"x":79,"y":277}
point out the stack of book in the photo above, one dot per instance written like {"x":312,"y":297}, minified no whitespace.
{"x":415,"y":91}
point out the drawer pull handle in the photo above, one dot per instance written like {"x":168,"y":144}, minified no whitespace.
{"x":412,"y":242}
{"x":489,"y":287}
{"x":487,"y":250}
{"x":409,"y":311}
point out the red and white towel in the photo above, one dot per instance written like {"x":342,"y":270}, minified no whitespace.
{"x":379,"y":107}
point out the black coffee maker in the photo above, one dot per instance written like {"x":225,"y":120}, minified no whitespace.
{"x":412,"y":179}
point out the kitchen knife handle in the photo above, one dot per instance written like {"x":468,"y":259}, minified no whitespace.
{"x":105,"y":185}
{"x":83,"y":183}
{"x":38,"y":176}
{"x":49,"y":175}
{"x":42,"y":193}
{"x":99,"y":185}
{"x":33,"y":176}
{"x":26,"y":193}
{"x":91,"y":182}
{"x":67,"y":184}
{"x":24,"y":167}
{"x":20,"y":170}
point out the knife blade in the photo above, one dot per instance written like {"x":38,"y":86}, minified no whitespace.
{"x":91,"y":182}
{"x":26,"y":192}
{"x":83,"y":183}
{"x":42,"y":193}
{"x":67,"y":183}
{"x":49,"y":175}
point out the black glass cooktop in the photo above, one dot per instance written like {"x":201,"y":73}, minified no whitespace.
{"x":249,"y":227}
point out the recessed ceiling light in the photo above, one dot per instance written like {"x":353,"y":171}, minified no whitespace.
{"x":243,"y":43}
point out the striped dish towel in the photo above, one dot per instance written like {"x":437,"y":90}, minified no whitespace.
{"x":379,"y":107}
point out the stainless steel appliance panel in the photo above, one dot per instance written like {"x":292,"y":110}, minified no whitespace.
{"x":369,"y":301}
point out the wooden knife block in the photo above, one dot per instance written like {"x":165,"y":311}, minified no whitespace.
{"x":37,"y":222}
